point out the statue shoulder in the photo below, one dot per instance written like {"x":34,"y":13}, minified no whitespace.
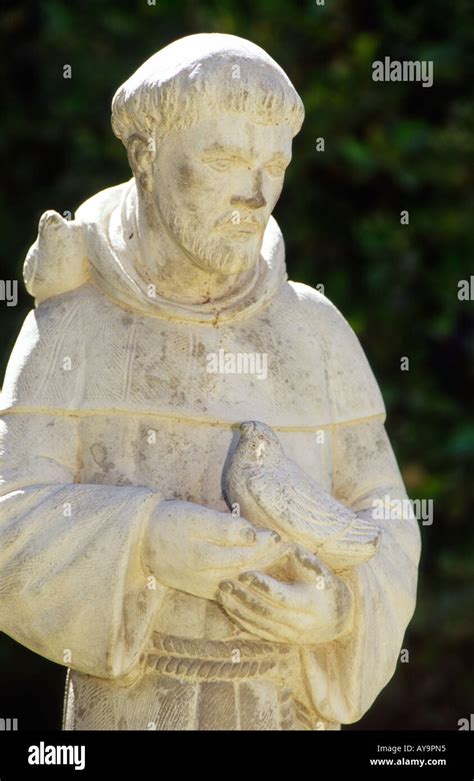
{"x":354,"y":391}
{"x":316,"y":304}
{"x":320,"y":313}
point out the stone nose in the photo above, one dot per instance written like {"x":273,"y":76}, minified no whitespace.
{"x":256,"y":201}
{"x":253,"y":199}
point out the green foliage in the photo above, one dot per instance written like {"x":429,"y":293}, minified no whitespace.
{"x":388,"y":147}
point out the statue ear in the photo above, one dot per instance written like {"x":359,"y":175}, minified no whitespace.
{"x":141,"y":154}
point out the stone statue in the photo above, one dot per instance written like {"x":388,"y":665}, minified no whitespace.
{"x":186,"y":579}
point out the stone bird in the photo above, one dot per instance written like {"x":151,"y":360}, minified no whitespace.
{"x":57,"y":261}
{"x":274,"y":492}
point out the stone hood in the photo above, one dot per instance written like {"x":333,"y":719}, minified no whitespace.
{"x":100,"y":245}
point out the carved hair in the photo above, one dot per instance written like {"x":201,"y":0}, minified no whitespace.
{"x":199,"y":76}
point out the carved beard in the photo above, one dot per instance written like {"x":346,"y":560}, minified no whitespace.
{"x":217,"y":253}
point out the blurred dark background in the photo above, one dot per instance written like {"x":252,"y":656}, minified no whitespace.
{"x":388,"y":147}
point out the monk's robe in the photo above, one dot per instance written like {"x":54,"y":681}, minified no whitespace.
{"x":108,"y":412}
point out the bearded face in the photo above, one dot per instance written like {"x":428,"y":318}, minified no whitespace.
{"x":215,"y":186}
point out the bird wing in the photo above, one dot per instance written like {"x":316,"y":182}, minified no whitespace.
{"x":303,"y":511}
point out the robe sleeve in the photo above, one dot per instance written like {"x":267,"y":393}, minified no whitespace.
{"x":347,"y":675}
{"x":73,"y":583}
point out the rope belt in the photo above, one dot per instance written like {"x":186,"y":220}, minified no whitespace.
{"x":213,"y":660}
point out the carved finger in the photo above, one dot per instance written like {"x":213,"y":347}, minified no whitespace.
{"x":253,"y":628}
{"x":263,"y":552}
{"x":222,"y":529}
{"x":237,"y":596}
{"x":263,"y":627}
{"x":278,"y":594}
{"x":254,"y":602}
{"x":310,"y":568}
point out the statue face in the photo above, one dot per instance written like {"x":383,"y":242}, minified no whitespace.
{"x":215,"y":186}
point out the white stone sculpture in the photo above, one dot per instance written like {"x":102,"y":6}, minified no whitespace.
{"x":163,"y":321}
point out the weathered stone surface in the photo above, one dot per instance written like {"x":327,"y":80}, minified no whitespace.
{"x":163,"y":321}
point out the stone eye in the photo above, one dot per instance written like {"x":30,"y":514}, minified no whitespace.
{"x":275,"y":169}
{"x":219,"y":164}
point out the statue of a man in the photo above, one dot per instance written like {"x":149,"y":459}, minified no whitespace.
{"x":163,"y":321}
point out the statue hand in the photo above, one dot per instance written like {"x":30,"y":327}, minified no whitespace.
{"x":316,"y":608}
{"x":192,"y":548}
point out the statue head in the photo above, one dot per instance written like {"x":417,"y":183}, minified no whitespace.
{"x":208,"y":124}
